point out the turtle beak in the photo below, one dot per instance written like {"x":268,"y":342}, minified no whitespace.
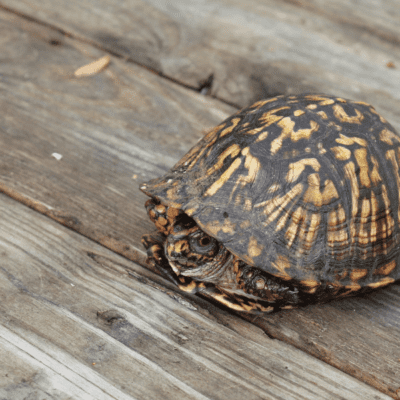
{"x":175,"y":251}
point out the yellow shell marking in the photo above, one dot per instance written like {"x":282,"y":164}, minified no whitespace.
{"x":361,"y":158}
{"x":326,"y":102}
{"x":172,"y":193}
{"x":363,"y":234}
{"x":387,"y":137}
{"x":348,"y":141}
{"x":374,"y":213}
{"x":197,"y":151}
{"x":391,"y":155}
{"x":323,"y":101}
{"x":363,"y":103}
{"x":214,"y":227}
{"x":386,"y":269}
{"x":274,"y":187}
{"x":322,"y":114}
{"x":383,"y":282}
{"x":191,"y":211}
{"x":229,"y":129}
{"x":341,"y":153}
{"x":269,"y":117}
{"x":352,"y":288}
{"x":277,"y":204}
{"x":295,"y":169}
{"x":329,"y":192}
{"x":282,"y":203}
{"x":254,"y":131}
{"x":387,"y":228}
{"x":287,"y":126}
{"x":262,"y":136}
{"x":375,"y":177}
{"x":281,"y":264}
{"x":357,"y":274}
{"x":313,"y":229}
{"x":350,"y":173}
{"x":304,"y":133}
{"x":285,"y":213}
{"x":245,"y":224}
{"x":310,"y":285}
{"x":254,"y":249}
{"x":302,"y":231}
{"x":252,"y":164}
{"x":383,"y":120}
{"x":223,"y":178}
{"x":261,"y":103}
{"x":313,"y":194}
{"x":248,"y":205}
{"x":297,"y":217}
{"x":282,"y":221}
{"x":232,"y":151}
{"x":337,"y":237}
{"x":297,"y":113}
{"x":341,"y":115}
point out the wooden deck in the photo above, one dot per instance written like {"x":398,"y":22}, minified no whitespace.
{"x":81,"y":315}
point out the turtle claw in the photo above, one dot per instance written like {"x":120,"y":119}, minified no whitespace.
{"x":154,"y":245}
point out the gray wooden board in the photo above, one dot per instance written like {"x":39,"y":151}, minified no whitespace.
{"x":127,"y":121}
{"x":75,"y":324}
{"x":109,"y":128}
{"x":254,"y":49}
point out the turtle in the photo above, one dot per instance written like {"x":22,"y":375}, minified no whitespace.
{"x":291,"y":201}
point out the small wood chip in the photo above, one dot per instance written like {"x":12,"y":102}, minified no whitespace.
{"x":390,"y":64}
{"x":93,"y":68}
{"x":57,"y":156}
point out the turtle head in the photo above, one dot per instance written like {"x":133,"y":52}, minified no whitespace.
{"x":188,"y":248}
{"x":182,"y":244}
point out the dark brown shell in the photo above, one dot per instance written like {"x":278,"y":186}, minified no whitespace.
{"x":305,"y":188}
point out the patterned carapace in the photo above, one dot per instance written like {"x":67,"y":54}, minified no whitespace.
{"x":292,"y":200}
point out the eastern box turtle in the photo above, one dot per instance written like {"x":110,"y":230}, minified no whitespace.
{"x":290,"y":201}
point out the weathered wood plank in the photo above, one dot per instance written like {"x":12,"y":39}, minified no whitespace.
{"x":359,"y":335}
{"x":73,"y":322}
{"x":109,"y":128}
{"x":254,"y":49}
{"x":127,"y":121}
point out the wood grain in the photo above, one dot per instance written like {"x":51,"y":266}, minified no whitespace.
{"x":126,"y":122}
{"x":75,"y":323}
{"x":360,"y":335}
{"x":109,"y":128}
{"x":254,"y":49}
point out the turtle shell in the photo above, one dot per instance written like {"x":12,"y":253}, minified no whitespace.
{"x":305,"y":188}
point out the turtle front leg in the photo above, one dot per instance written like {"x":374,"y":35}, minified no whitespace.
{"x":154,"y":245}
{"x":162,"y":216}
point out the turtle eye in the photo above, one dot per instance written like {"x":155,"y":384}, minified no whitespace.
{"x":203,"y":244}
{"x":204,"y":241}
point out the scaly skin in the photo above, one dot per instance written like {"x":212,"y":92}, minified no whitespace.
{"x":196,"y":262}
